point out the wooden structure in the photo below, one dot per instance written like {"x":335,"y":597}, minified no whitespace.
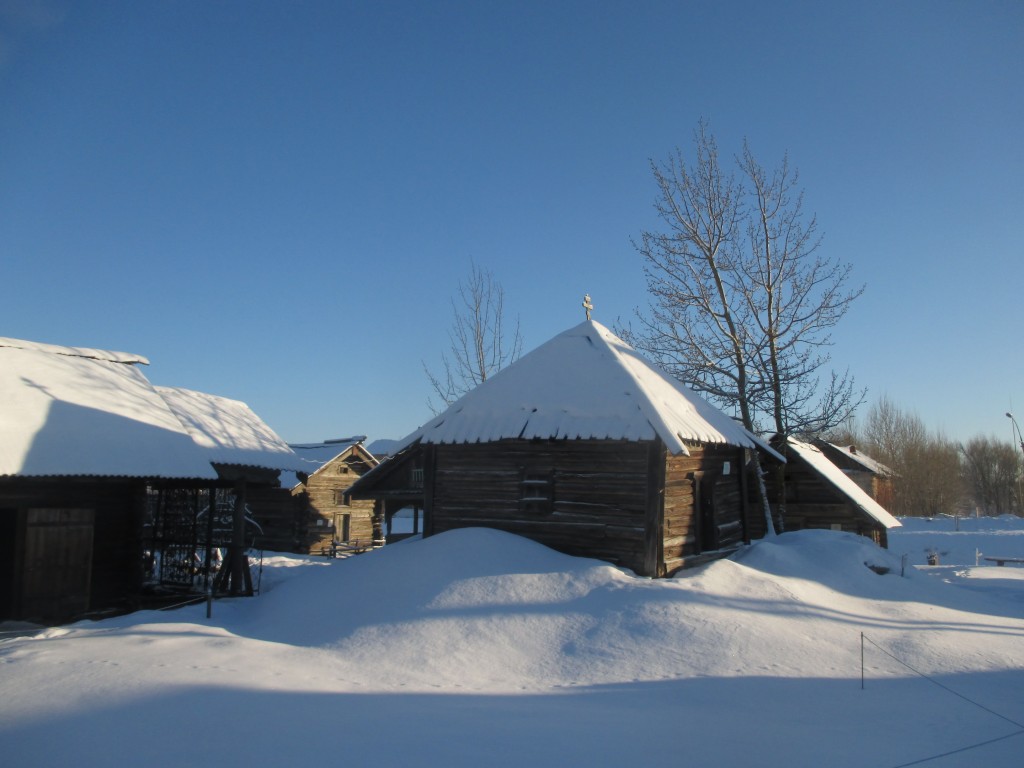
{"x":818,"y":494}
{"x":90,"y":453}
{"x":331,"y":518}
{"x":874,"y":477}
{"x":586,"y":447}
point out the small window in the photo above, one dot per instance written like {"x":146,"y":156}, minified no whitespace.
{"x":339,"y":498}
{"x":416,"y":478}
{"x":536,"y":491}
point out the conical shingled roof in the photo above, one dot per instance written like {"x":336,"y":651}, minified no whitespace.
{"x":585,"y":383}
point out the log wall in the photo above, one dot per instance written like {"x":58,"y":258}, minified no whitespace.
{"x":706,"y":508}
{"x":813,"y":502}
{"x":584,"y":497}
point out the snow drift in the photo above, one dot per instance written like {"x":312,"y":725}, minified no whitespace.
{"x":480,"y":647}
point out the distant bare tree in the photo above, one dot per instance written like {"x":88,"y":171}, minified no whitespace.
{"x":928,"y":478}
{"x":742,"y":303}
{"x":991,"y":470}
{"x":478,"y":346}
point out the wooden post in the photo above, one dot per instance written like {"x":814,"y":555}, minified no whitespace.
{"x":743,"y":467}
{"x":429,"y":467}
{"x":698,"y":523}
{"x":234,"y":576}
{"x":211,"y":510}
{"x":654,"y":517}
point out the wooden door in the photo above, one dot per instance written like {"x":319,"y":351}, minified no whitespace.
{"x":56,"y":578}
{"x":343,"y":526}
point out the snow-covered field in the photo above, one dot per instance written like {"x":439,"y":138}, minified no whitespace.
{"x":478,"y":648}
{"x":960,"y":541}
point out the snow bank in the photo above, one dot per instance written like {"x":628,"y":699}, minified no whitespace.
{"x":479,"y":647}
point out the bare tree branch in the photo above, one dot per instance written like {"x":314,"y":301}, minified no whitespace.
{"x":478,"y":346}
{"x":742,"y":303}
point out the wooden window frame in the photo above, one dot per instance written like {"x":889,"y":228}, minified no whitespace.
{"x":536,"y":491}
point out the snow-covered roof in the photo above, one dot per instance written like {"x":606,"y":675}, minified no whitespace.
{"x":228,"y":432}
{"x":821,"y":464}
{"x":318,"y":454}
{"x":66,"y":411}
{"x":867,"y":462}
{"x":315,"y":455}
{"x":383,"y":447}
{"x":585,"y":383}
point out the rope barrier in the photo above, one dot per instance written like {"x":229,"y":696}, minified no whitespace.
{"x":941,"y":685}
{"x":947,"y":689}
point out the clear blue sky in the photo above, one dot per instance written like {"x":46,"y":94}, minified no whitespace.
{"x":275,"y":201}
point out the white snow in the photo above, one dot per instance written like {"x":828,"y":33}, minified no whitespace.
{"x":865,"y":461}
{"x":958,"y":541}
{"x":477,"y":647}
{"x":584,"y":383}
{"x":90,"y":414}
{"x":229,"y":432}
{"x":71,"y":411}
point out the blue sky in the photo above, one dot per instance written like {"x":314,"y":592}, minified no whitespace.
{"x":276,"y":201}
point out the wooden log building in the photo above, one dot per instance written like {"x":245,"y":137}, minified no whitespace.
{"x":817,"y":493}
{"x":89,"y":451}
{"x":588,"y":448}
{"x":874,"y":477}
{"x":330,"y":516}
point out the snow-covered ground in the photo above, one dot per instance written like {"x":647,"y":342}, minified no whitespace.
{"x":958,"y":541}
{"x":479,"y":648}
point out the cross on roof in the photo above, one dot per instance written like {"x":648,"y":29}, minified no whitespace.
{"x":587,"y":305}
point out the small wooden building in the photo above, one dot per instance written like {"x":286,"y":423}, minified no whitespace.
{"x":874,"y":477}
{"x":819,"y":494}
{"x":586,"y":447}
{"x":89,"y":449}
{"x":329,"y":514}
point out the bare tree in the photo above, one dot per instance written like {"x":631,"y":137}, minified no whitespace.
{"x":991,"y":470}
{"x":478,"y":346}
{"x":928,"y":479}
{"x":742,"y":303}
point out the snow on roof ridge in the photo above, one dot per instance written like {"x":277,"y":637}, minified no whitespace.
{"x":93,"y":354}
{"x":603,"y":390}
{"x":869,"y":463}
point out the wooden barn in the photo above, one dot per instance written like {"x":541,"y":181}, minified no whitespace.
{"x":819,"y":494}
{"x":90,"y":452}
{"x":872,"y":476}
{"x":586,"y":447}
{"x":331,"y":517}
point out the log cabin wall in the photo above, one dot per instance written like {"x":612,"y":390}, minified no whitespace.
{"x":814,"y":503}
{"x":706,"y":505}
{"x":587,"y":498}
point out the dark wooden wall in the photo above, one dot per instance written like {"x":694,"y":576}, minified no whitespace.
{"x":76,"y":547}
{"x":626,"y":502}
{"x":281,"y":516}
{"x":598,"y":494}
{"x":707,"y":504}
{"x":813,"y":502}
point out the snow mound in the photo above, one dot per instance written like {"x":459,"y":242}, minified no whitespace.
{"x":843,"y":560}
